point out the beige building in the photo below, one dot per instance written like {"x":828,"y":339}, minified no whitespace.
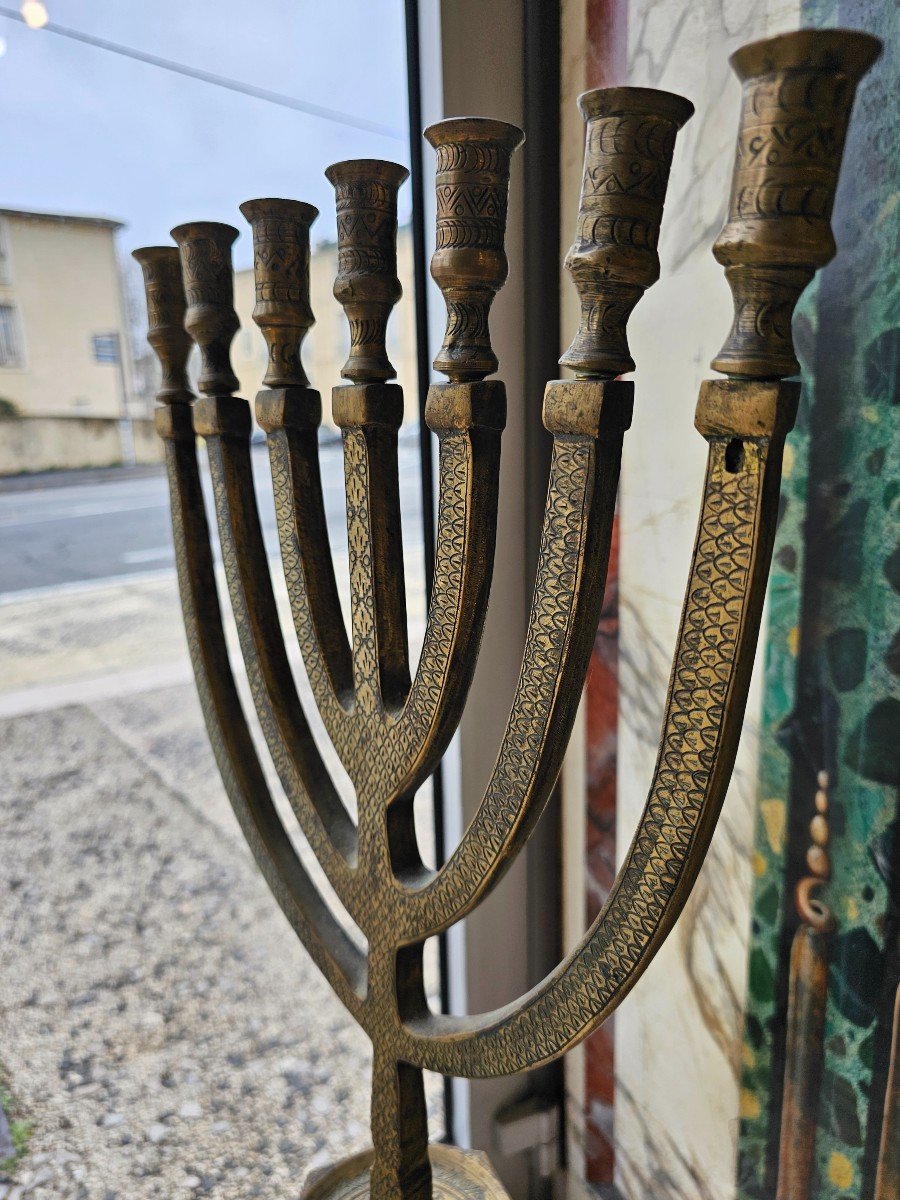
{"x":327,"y":344}
{"x":65,"y":357}
{"x":62,"y":321}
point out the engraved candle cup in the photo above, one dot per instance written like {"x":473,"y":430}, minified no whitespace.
{"x":367,"y":285}
{"x":628,"y":150}
{"x":210,"y":319}
{"x":469,"y":264}
{"x":164,"y":289}
{"x":798,"y":92}
{"x":281,"y":272}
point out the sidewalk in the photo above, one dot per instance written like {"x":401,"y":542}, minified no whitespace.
{"x":42,"y":480}
{"x":162,"y":1028}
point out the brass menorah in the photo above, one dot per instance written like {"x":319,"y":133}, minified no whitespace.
{"x":391,"y":730}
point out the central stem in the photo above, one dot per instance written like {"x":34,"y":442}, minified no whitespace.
{"x":401,"y":1169}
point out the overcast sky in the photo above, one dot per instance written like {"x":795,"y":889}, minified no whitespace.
{"x":86,"y":131}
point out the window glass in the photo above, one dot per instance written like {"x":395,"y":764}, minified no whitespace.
{"x":161,"y":1001}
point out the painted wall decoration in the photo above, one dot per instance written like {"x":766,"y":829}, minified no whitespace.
{"x":832,"y":686}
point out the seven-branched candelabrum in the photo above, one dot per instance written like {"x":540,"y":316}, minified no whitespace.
{"x":390,"y":730}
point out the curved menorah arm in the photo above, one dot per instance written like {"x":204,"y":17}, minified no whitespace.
{"x":290,"y":413}
{"x":331,"y":949}
{"x":745,"y":423}
{"x":468,"y":414}
{"x":369,"y":417}
{"x":334,"y":953}
{"x":468,"y":419}
{"x":588,"y":419}
{"x":630,"y":140}
{"x":291,"y":420}
{"x":224,"y":420}
{"x":798,"y":91}
{"x":368,"y":412}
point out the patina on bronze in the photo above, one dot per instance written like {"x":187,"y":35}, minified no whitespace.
{"x":390,"y":729}
{"x":797,"y":95}
{"x":281,"y":273}
{"x":614,"y":258}
{"x":367,"y":285}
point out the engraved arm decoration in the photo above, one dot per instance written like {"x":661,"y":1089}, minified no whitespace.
{"x":224,"y":421}
{"x":630,"y":137}
{"x":328,"y":944}
{"x":290,"y":411}
{"x":797,"y":95}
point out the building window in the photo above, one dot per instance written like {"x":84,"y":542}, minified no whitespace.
{"x":5,"y":265}
{"x":106,"y":347}
{"x":10,"y":344}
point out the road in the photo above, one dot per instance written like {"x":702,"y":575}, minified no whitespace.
{"x":86,"y":531}
{"x":137,"y":913}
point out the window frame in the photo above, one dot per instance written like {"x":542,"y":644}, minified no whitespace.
{"x":11,"y":337}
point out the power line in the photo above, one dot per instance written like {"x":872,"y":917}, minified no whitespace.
{"x":232,"y":85}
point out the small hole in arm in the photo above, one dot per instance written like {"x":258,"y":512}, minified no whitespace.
{"x":734,"y":456}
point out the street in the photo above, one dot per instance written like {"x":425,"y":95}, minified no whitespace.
{"x":161,"y":1028}
{"x":84,"y":531}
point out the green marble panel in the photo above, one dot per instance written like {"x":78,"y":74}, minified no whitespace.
{"x":832,"y":701}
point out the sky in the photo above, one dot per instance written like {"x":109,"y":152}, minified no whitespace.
{"x":88,"y":132}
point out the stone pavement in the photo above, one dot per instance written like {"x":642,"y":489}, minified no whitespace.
{"x":160,"y":1026}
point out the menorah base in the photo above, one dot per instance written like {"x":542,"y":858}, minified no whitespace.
{"x":456,"y":1175}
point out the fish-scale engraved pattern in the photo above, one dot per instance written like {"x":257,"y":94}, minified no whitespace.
{"x":362,"y":582}
{"x":330,"y":709}
{"x":524,"y":743}
{"x":294,"y":755}
{"x":443,"y":616}
{"x":400,"y":742}
{"x":702,"y":692}
{"x":240,"y":771}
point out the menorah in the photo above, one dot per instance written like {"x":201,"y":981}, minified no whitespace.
{"x":391,"y":728}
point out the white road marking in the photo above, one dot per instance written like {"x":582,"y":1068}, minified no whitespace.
{"x":76,"y":512}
